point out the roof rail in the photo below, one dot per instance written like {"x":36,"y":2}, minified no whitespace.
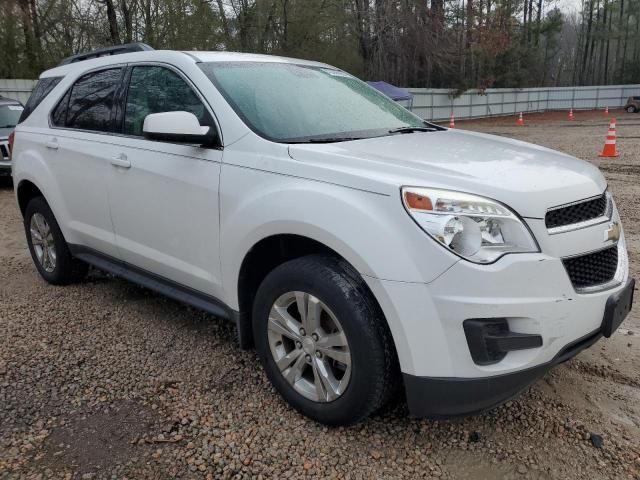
{"x":107,"y":51}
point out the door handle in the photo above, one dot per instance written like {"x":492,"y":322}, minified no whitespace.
{"x":121,"y":161}
{"x":52,"y":144}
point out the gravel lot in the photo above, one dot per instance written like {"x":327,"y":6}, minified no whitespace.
{"x":108,"y":380}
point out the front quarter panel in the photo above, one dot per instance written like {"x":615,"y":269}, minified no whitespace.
{"x":370,"y":230}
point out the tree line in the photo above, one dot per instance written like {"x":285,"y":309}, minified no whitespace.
{"x":456,"y":44}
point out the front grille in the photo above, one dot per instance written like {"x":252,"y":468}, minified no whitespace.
{"x":592,"y":269}
{"x":577,"y":212}
{"x":4,"y":151}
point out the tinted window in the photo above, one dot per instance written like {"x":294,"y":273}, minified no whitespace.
{"x":157,"y":90}
{"x":59,"y":113}
{"x":9,"y":115}
{"x":87,"y":106}
{"x":42,"y":89}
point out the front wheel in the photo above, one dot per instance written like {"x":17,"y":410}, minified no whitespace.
{"x":323,"y":341}
{"x":631,"y":109}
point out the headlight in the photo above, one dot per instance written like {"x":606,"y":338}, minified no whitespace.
{"x":476,"y":228}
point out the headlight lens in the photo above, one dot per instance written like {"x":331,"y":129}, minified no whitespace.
{"x":475,"y":228}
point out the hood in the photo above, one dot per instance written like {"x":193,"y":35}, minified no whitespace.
{"x":5,"y":132}
{"x":527,"y":177}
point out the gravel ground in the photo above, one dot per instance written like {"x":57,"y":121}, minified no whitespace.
{"x":108,"y":380}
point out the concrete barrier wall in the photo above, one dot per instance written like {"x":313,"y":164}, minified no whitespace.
{"x":17,"y":89}
{"x":439,"y":104}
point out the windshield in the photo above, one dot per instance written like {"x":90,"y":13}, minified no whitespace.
{"x":296,"y":103}
{"x":9,"y":115}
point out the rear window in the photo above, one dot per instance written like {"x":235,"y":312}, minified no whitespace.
{"x":88,"y":104}
{"x":41,"y":90}
{"x":9,"y":115}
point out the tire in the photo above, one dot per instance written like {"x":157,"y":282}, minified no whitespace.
{"x":373,"y":374}
{"x":631,"y":109}
{"x":63,"y":269}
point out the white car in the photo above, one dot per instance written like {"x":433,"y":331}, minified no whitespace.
{"x":361,"y":249}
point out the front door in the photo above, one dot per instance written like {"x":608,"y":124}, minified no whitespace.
{"x":164,"y":196}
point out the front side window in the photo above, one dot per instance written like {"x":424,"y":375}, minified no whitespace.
{"x":293,"y":103}
{"x":155,"y":89}
{"x":88,"y":105}
{"x":9,"y":115}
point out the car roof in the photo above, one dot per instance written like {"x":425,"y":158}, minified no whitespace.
{"x":168,"y":55}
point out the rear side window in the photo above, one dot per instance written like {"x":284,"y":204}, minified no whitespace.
{"x":88,"y":105}
{"x":41,"y":90}
{"x":155,"y":89}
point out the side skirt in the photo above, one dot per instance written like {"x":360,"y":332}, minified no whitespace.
{"x":161,"y":285}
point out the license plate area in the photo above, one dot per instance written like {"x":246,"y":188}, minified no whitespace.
{"x":617,"y":308}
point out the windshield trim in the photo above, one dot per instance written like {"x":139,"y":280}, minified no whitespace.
{"x":340,"y":136}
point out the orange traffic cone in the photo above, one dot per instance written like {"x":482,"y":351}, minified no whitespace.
{"x":520,"y":120}
{"x":606,"y":111}
{"x":452,"y":122}
{"x":571,"y":117}
{"x":609,"y":149}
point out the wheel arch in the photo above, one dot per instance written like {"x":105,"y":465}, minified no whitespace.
{"x":267,"y":254}
{"x":26,"y":190}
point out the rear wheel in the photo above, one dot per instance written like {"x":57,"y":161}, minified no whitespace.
{"x":323,"y":341}
{"x":48,"y":247}
{"x":631,"y":109}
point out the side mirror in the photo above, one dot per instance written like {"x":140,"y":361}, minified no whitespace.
{"x":178,"y":127}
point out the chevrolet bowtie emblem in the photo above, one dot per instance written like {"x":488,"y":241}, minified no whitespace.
{"x":613,"y":232}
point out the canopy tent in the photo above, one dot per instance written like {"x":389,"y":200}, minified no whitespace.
{"x":393,"y":92}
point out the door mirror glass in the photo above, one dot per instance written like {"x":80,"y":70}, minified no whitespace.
{"x":180,"y":127}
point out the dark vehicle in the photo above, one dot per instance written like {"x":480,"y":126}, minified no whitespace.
{"x":10,"y":111}
{"x":633,"y":105}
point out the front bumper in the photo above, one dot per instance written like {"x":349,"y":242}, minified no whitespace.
{"x":445,"y":397}
{"x":448,"y":397}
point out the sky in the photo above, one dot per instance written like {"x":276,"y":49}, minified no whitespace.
{"x":569,"y":6}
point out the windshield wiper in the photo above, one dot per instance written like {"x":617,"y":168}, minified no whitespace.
{"x":7,"y":126}
{"x":327,"y":140}
{"x":410,"y":129}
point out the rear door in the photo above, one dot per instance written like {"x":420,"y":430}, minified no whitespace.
{"x":164,"y":196}
{"x":79,"y":149}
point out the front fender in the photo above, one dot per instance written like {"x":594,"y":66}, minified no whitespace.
{"x":369,"y":230}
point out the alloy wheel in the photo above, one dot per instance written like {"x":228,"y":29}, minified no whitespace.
{"x":43,"y":242}
{"x":309,"y":346}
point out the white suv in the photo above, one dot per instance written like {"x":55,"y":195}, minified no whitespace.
{"x":359,"y":248}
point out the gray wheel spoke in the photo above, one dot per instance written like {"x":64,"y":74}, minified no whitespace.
{"x":45,"y":258}
{"x":332,"y":340}
{"x":339,"y":355}
{"x":281,"y":322}
{"x":41,"y":223}
{"x":35,"y":236}
{"x":311,"y":321}
{"x":286,"y":361}
{"x":293,"y":374}
{"x":326,"y":384}
{"x":52,"y":254}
